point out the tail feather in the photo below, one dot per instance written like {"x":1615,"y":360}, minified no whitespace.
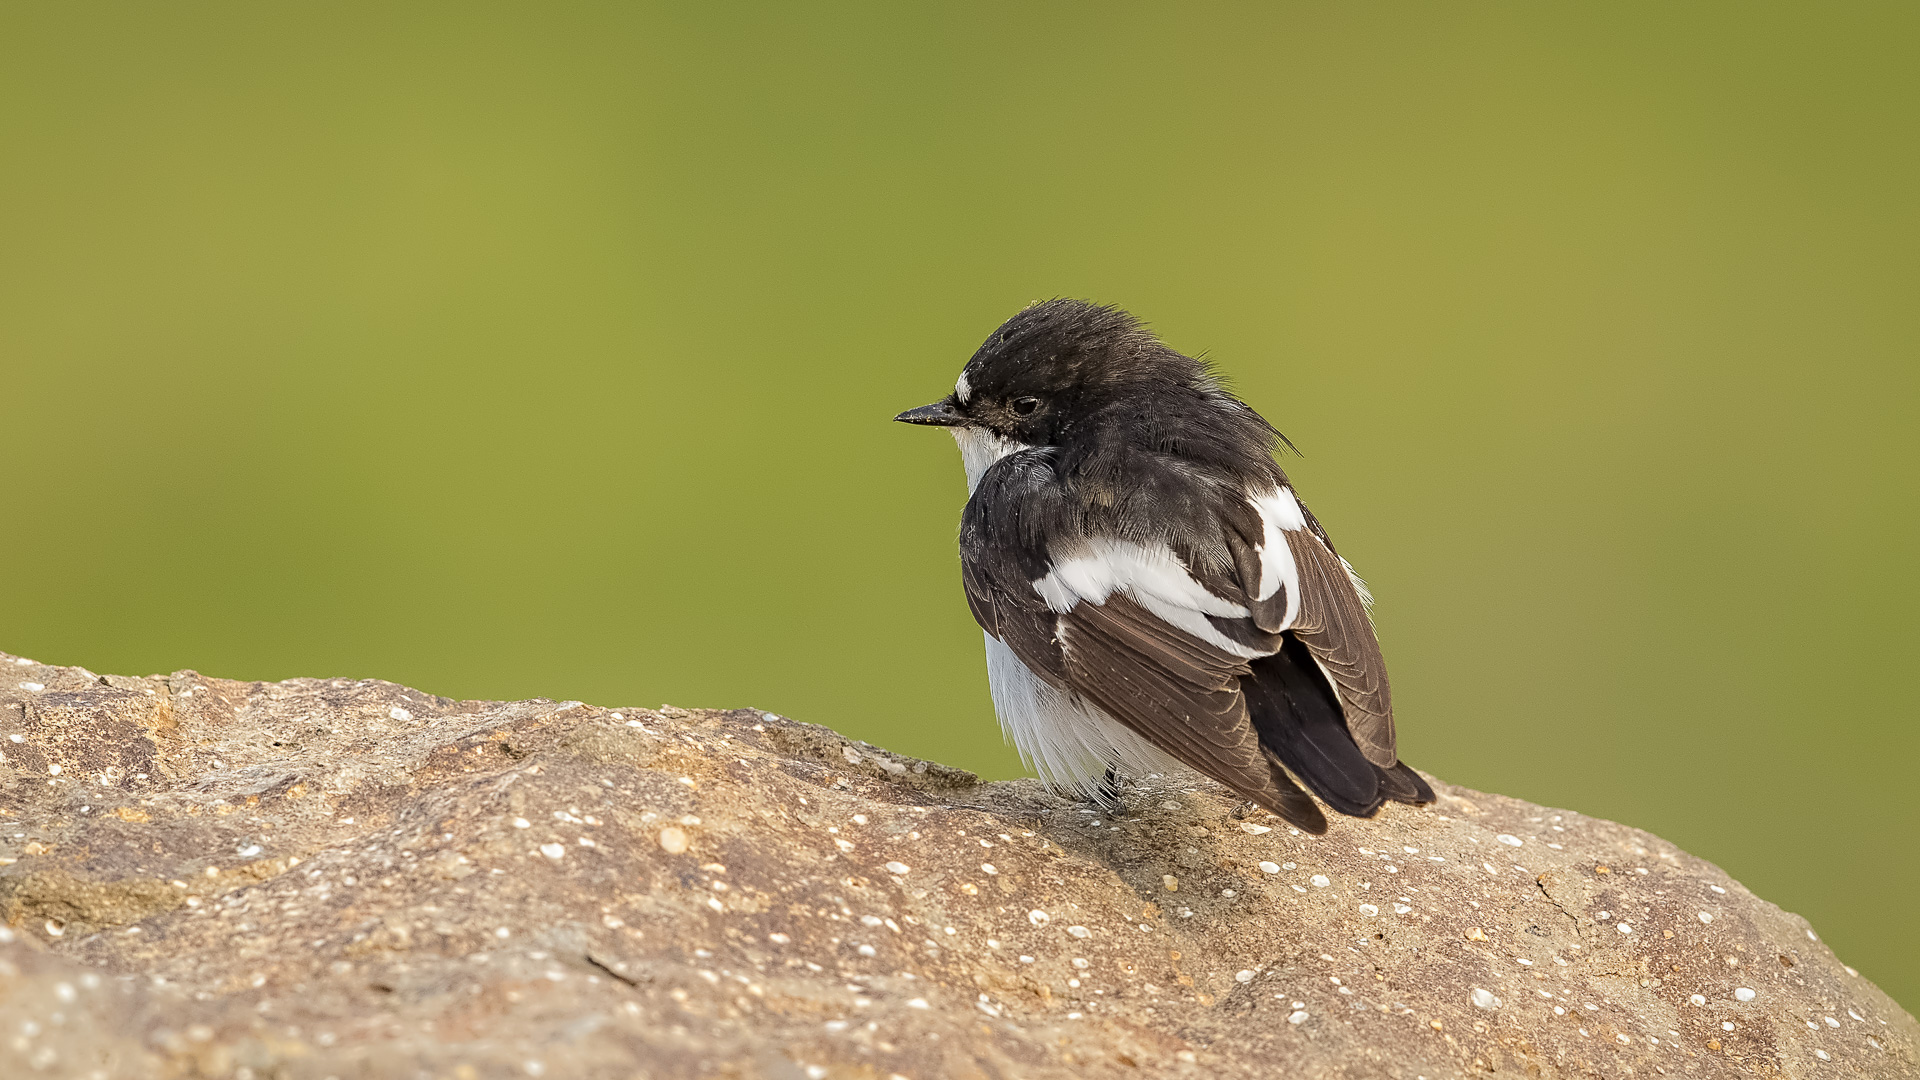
{"x":1299,"y":720}
{"x":1402,"y":784}
{"x":1301,"y":726}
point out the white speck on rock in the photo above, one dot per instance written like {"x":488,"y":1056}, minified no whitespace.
{"x":1706,"y":916}
{"x":1509,"y":839}
{"x":553,"y":851}
{"x":1244,"y":975}
{"x":918,"y":1003}
{"x":1698,"y":1000}
{"x":1369,"y":910}
{"x":897,"y":868}
{"x":780,"y":939}
{"x":1256,"y":830}
{"x":1822,"y":1055}
{"x":1299,"y":1016}
{"x":673,"y":841}
{"x":400,"y":714}
{"x":1625,"y":928}
{"x":1401,"y":909}
{"x":1484,"y":999}
{"x":1079,"y":931}
{"x":1743,"y":994}
{"x":1038,"y":917}
{"x":852,"y":755}
{"x":1718,"y":889}
{"x":1269,"y":868}
{"x":522,"y":823}
{"x":1320,"y":881}
{"x":32,"y":687}
{"x":988,"y":868}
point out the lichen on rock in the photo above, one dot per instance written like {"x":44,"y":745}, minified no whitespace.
{"x":350,"y":878}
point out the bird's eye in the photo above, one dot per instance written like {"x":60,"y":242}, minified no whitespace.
{"x":1023,"y":406}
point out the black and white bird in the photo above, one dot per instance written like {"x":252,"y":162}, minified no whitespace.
{"x":1149,"y":584}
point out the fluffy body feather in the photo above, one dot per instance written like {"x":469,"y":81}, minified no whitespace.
{"x":1151,"y":587}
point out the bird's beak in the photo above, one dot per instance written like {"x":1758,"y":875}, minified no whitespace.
{"x":939,"y":414}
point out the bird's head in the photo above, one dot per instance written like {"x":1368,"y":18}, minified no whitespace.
{"x":1056,"y":369}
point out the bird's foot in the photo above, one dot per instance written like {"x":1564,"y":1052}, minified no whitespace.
{"x":1106,"y":794}
{"x":1240,"y":812}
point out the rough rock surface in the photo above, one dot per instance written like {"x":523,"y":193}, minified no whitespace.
{"x":348,"y":878}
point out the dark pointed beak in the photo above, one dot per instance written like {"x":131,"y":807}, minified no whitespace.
{"x":939,"y":414}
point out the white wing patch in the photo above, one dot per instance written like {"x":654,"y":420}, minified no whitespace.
{"x":1156,"y":579}
{"x":1279,"y":512}
{"x":1152,"y":576}
{"x":980,"y":448}
{"x":1066,"y":739}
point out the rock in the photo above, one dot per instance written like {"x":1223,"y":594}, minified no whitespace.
{"x":334,"y":877}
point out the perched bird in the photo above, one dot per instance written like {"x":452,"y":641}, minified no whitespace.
{"x":1149,"y":584}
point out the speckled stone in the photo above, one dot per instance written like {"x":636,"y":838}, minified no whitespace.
{"x":338,"y":877}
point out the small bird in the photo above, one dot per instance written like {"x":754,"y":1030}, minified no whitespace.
{"x":1150,"y":586}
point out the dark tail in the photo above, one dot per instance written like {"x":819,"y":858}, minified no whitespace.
{"x":1300,"y":722}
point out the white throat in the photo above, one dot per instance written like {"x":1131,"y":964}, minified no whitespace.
{"x":979,"y":449}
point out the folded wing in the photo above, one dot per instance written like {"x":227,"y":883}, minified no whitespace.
{"x":1264,"y":658}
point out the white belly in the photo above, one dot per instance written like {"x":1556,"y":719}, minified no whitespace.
{"x":1066,"y":739}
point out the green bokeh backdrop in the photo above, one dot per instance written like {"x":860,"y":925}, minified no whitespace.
{"x":549,"y":350}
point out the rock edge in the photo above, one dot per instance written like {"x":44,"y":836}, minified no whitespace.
{"x":335,"y":877}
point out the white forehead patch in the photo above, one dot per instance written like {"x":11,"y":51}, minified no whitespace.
{"x":961,"y":390}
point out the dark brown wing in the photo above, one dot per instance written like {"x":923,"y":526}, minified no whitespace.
{"x":1174,"y":690}
{"x":1334,"y":626}
{"x":1180,"y":694}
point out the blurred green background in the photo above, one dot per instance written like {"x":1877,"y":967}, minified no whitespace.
{"x":549,"y":350}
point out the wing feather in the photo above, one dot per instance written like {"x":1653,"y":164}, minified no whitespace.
{"x":1334,"y":625}
{"x":1179,"y":693}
